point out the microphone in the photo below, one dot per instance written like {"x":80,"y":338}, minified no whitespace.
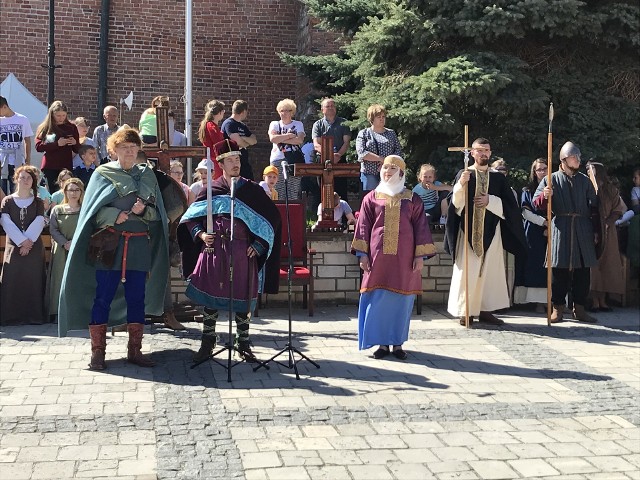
{"x":285,"y":169}
{"x":234,"y":181}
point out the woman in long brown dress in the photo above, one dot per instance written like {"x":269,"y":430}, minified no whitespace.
{"x":606,"y":277}
{"x":22,"y":282}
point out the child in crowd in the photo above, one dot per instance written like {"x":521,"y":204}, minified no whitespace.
{"x":435,"y":203}
{"x":57,"y":196}
{"x":340,"y":209}
{"x":270,"y":178}
{"x":89,"y":156}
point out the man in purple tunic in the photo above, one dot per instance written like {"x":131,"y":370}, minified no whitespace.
{"x":255,"y":245}
{"x":392,"y":238}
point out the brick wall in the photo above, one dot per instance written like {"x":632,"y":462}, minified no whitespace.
{"x":235,"y":55}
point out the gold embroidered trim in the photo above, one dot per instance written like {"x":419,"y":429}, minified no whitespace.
{"x":424,"y":250}
{"x":391,"y":231}
{"x":477,"y":235}
{"x":360,"y":245}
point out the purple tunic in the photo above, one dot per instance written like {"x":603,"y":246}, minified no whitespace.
{"x":209,"y":282}
{"x":393,"y":231}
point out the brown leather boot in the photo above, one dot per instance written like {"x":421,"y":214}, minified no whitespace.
{"x":98,"y":335}
{"x":556,"y":313}
{"x":171,"y":322}
{"x":134,"y":355}
{"x":580,"y":314}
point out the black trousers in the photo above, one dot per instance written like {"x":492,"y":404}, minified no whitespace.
{"x":576,"y":282}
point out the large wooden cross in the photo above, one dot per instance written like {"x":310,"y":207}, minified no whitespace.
{"x":162,"y":150}
{"x":327,"y":170}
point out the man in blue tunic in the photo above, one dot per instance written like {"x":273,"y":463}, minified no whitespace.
{"x":573,"y":238}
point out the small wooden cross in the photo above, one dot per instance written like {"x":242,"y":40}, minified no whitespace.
{"x":466,"y":149}
{"x":327,"y":170}
{"x":162,"y":149}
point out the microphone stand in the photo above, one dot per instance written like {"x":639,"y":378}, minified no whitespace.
{"x":230,"y":345}
{"x":288,"y":348}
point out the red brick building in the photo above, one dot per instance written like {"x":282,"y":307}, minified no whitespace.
{"x":235,"y":55}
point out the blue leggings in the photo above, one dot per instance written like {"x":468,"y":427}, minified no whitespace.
{"x":108,"y":281}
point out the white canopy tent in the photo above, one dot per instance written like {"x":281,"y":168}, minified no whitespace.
{"x":21,"y":100}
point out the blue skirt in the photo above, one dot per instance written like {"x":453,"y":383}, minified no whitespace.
{"x":383,"y":318}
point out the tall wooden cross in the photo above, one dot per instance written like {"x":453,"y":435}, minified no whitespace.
{"x":327,"y":170}
{"x":162,"y":150}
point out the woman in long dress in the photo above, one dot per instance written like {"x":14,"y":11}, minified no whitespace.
{"x":391,"y":239}
{"x":62,"y":225}
{"x":22,"y":282}
{"x":531,"y":274}
{"x":606,"y":276}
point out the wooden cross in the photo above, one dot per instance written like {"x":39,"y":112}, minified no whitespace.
{"x":466,"y":149}
{"x":327,"y":170}
{"x":162,"y":149}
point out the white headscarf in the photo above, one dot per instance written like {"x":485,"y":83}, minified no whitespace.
{"x":395,"y":184}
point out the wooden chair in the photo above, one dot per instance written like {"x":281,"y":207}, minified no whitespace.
{"x":302,"y":255}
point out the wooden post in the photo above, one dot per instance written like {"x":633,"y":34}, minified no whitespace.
{"x":549,"y":165}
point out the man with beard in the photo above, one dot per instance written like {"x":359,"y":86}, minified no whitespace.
{"x":392,"y":238}
{"x":495,"y":224}
{"x":256,"y":245}
{"x":573,"y":241}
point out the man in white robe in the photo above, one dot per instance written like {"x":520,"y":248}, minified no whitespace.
{"x":495,"y":224}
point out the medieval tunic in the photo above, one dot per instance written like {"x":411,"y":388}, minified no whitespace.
{"x":22,"y":282}
{"x":606,"y":276}
{"x":256,"y":224}
{"x":62,"y":226}
{"x":110,"y":190}
{"x":495,"y":228}
{"x":572,"y":240}
{"x":391,"y":231}
{"x":531,"y":274}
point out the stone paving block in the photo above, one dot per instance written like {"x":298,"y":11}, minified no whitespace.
{"x":49,"y":410}
{"x":300,"y":458}
{"x":533,"y":467}
{"x":369,"y":472}
{"x":566,"y":436}
{"x":355,"y":429}
{"x":287,"y":473}
{"x":494,"y":425}
{"x":608,"y":463}
{"x":606,"y":476}
{"x":37,"y":454}
{"x":531,"y":450}
{"x":571,"y":465}
{"x":107,"y":452}
{"x":258,"y":474}
{"x":385,"y":441}
{"x":569,"y":449}
{"x":61,"y":439}
{"x":286,"y":431}
{"x":348,"y":442}
{"x":492,"y":470}
{"x":596,"y":422}
{"x":246,"y":446}
{"x":531,"y":437}
{"x":493,"y":452}
{"x":319,"y":431}
{"x":97,"y":468}
{"x":328,"y":472}
{"x":275,"y":444}
{"x":315,"y":443}
{"x":605,"y":447}
{"x":458,"y":439}
{"x":50,"y":470}
{"x":86,"y":409}
{"x":343,"y":457}
{"x":137,"y":437}
{"x":9,"y":454}
{"x":527,"y":424}
{"x":415,"y":455}
{"x":252,"y":460}
{"x":495,"y":438}
{"x":247,"y":433}
{"x":449,"y":466}
{"x":18,"y":410}
{"x":421,"y":440}
{"x":376,"y":456}
{"x":80,"y":452}
{"x":20,"y":439}
{"x":16,"y":471}
{"x":449,"y":454}
{"x":139,"y":466}
{"x":621,"y":421}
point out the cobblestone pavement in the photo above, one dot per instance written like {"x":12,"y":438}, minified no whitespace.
{"x":521,"y":401}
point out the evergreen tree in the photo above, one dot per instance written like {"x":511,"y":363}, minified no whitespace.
{"x":495,"y":65}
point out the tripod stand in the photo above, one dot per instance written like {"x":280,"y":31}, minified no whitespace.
{"x":289,"y":349}
{"x":229,"y":346}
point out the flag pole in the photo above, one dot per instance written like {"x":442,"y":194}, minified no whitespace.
{"x":549,"y":169}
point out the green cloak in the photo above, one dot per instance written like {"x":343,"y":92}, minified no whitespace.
{"x":78,"y":289}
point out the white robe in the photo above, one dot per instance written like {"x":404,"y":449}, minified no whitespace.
{"x":487,"y":288}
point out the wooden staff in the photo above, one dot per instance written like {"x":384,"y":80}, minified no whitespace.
{"x":466,"y":151}
{"x":549,"y":165}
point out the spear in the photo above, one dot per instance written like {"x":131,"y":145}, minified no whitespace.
{"x":209,"y":206}
{"x":549,"y":165}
